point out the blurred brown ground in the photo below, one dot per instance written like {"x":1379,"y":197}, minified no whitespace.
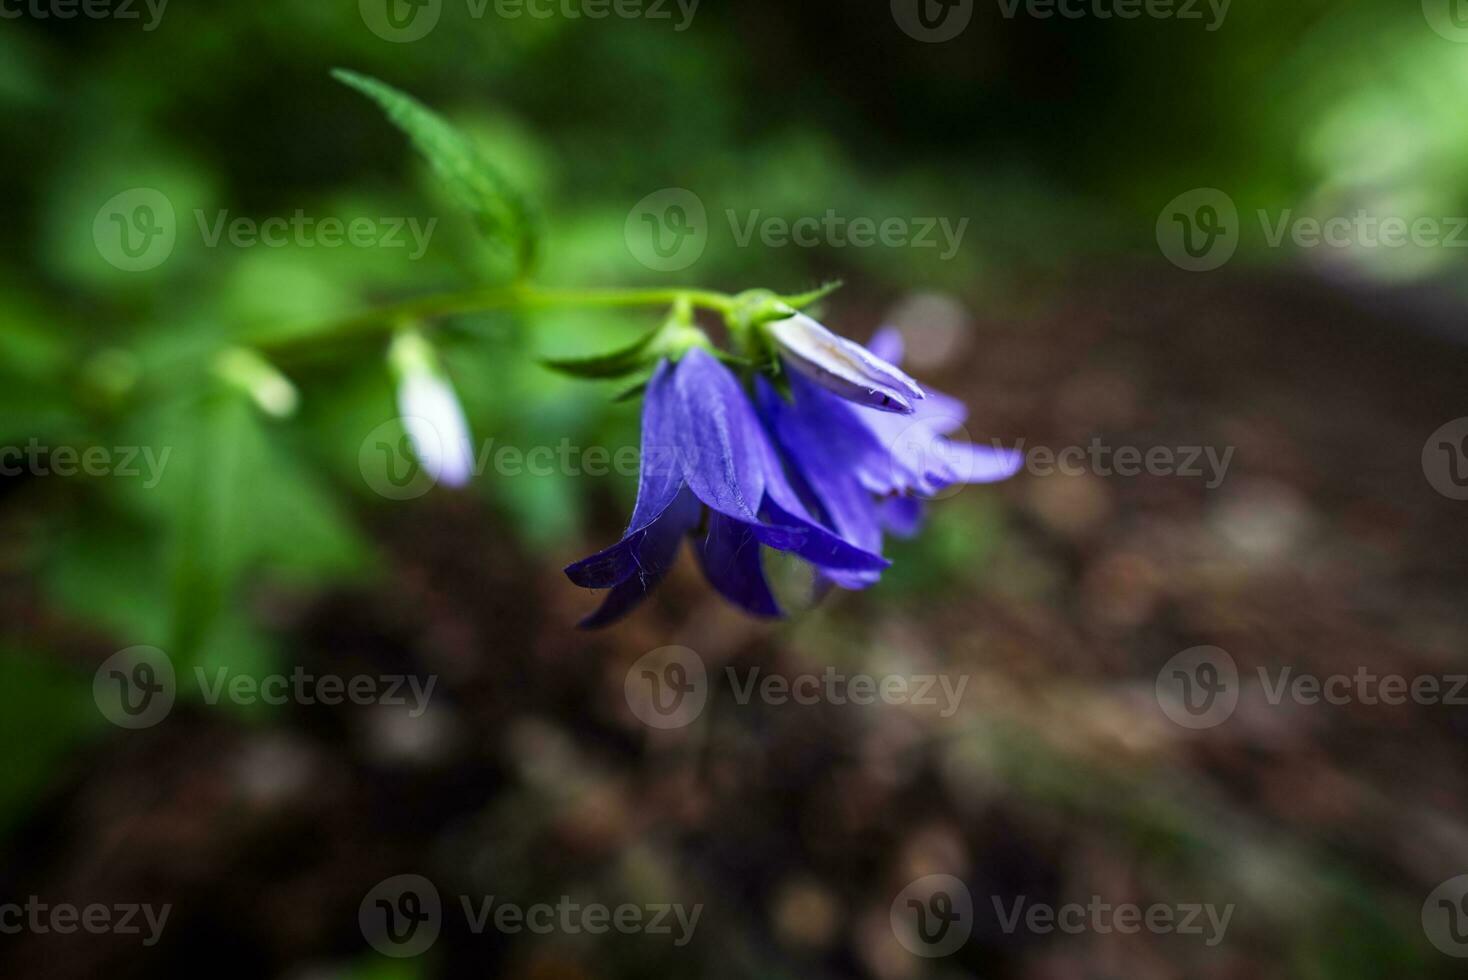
{"x":1324,"y":549}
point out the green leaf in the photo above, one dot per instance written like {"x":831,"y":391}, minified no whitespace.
{"x":236,"y":501}
{"x":501,"y":212}
{"x":802,"y":300}
{"x":615,"y":364}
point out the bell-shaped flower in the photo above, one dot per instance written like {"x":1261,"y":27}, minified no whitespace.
{"x":709,"y":470}
{"x":866,"y":469}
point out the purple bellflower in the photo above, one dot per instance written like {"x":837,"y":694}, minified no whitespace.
{"x":709,"y":470}
{"x":866,"y":469}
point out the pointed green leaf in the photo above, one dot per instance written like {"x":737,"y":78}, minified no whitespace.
{"x":501,"y":212}
{"x":802,"y":300}
{"x":615,"y":364}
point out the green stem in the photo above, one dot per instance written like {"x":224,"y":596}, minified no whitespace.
{"x":523,"y":297}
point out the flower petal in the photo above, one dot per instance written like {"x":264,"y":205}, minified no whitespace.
{"x":824,"y":439}
{"x":887,"y":343}
{"x":717,"y":437}
{"x":659,"y":477}
{"x":436,"y":427}
{"x":843,"y":366}
{"x":902,"y":516}
{"x":982,"y":464}
{"x":730,"y":556}
{"x":636,"y":564}
{"x":799,"y":536}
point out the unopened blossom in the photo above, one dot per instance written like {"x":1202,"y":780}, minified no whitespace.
{"x":431,"y":412}
{"x":842,"y":366}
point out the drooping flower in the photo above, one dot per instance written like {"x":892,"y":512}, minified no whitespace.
{"x":430,"y":411}
{"x":709,"y":469}
{"x":868,"y":469}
